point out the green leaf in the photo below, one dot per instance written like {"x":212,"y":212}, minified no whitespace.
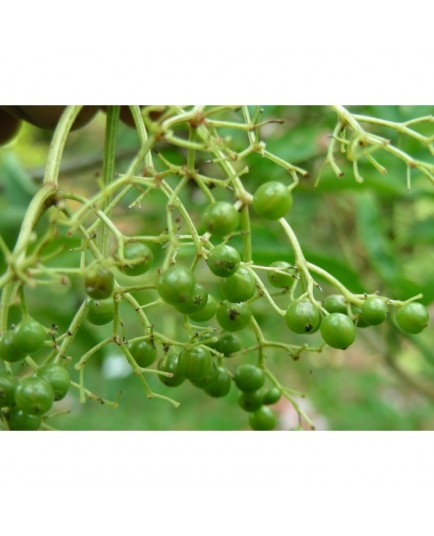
{"x":422,"y":231}
{"x":17,"y":185}
{"x":379,"y":250}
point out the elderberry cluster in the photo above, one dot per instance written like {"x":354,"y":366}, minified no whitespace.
{"x":206,"y":280}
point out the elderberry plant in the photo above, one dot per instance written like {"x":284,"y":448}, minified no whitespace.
{"x":193,"y":284}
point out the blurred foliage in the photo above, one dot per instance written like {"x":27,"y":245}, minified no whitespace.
{"x":371,"y":236}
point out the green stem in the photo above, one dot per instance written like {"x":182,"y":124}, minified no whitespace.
{"x":402,"y":128}
{"x":92,"y":396}
{"x":349,"y":296}
{"x":246,"y":234}
{"x":76,"y":322}
{"x":284,"y":164}
{"x":85,"y":358}
{"x":34,"y":211}
{"x":23,"y":302}
{"x":40,"y":202}
{"x":301,"y":414}
{"x":136,"y":305}
{"x":58,"y":142}
{"x":348,"y":118}
{"x":300,"y":261}
{"x":261,"y":339}
{"x":191,"y":155}
{"x":143,"y":134}
{"x":108,"y":169}
{"x":265,"y":292}
{"x":166,"y":398}
{"x":172,"y":195}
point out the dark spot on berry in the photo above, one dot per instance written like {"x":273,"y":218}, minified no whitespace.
{"x":233,"y":314}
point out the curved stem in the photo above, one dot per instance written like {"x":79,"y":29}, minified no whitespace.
{"x":58,"y":142}
{"x":300,"y":261}
{"x":301,"y":414}
{"x":142,"y":132}
{"x":265,"y":292}
{"x":40,"y":202}
{"x":349,"y":296}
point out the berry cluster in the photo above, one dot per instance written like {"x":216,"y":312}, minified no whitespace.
{"x":207,"y":281}
{"x":26,"y":400}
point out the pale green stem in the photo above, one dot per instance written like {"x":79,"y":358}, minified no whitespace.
{"x":143,"y":135}
{"x":300,"y":261}
{"x":93,"y":396}
{"x":264,"y":291}
{"x":108,"y":170}
{"x":58,"y":142}
{"x":76,"y":322}
{"x":402,"y":128}
{"x":85,"y":357}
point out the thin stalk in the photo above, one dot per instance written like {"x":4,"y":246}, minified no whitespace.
{"x":108,"y":170}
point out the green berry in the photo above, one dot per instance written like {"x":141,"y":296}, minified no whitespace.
{"x":223,"y":260}
{"x":272,"y":396}
{"x":239,"y":287}
{"x":412,"y":317}
{"x":233,"y":316}
{"x":176,"y":285}
{"x":360,"y":320}
{"x":21,"y":421}
{"x":228,"y":344}
{"x":144,"y":352}
{"x":100,"y":312}
{"x":338,"y":330}
{"x":34,"y":396}
{"x":138,"y":258}
{"x":99,"y":283}
{"x":272,"y":200}
{"x":195,"y":363}
{"x":249,"y":378}
{"x":170,"y":364}
{"x":281,"y":280}
{"x":221,"y":219}
{"x":8,"y":384}
{"x":220,"y":384}
{"x":335,"y":303}
{"x":29,"y":336}
{"x":195,"y":303}
{"x":58,"y":377}
{"x":302,"y":316}
{"x":374,"y":311}
{"x":263,"y":418}
{"x":207,"y":312}
{"x":251,"y":401}
{"x":8,"y":351}
{"x":205,"y":382}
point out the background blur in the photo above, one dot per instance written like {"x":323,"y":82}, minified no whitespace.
{"x":371,"y":236}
